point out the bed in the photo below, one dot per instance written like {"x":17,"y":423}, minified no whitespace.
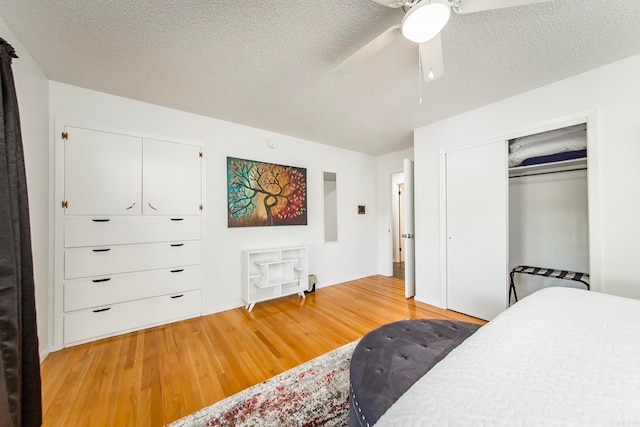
{"x":390,"y":359}
{"x":560,"y":356}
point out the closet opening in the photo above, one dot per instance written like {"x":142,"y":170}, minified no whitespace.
{"x":548,"y":210}
{"x":397,"y":224}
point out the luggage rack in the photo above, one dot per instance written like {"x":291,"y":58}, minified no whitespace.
{"x":575,"y":276}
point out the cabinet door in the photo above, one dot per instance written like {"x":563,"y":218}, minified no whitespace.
{"x":172,"y":178}
{"x":102,"y":173}
{"x":477,"y":230}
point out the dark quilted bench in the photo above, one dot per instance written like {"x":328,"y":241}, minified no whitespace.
{"x":388,"y":360}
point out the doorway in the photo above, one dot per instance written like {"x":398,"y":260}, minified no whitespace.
{"x":397,"y":224}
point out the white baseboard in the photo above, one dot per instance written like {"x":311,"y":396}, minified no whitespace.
{"x":44,"y":353}
{"x":320,"y":284}
{"x":221,"y":308}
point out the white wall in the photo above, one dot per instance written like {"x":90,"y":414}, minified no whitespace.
{"x":352,"y":256}
{"x":548,"y":227}
{"x":32,"y":88}
{"x":387,"y":166}
{"x":613,"y":93}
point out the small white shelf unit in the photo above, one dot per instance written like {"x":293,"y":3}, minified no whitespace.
{"x":274,"y":273}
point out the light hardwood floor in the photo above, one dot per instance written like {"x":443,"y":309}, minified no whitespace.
{"x":155,"y":376}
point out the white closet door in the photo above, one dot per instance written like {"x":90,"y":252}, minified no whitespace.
{"x":172,"y":178}
{"x":103,"y":173}
{"x":477,"y":230}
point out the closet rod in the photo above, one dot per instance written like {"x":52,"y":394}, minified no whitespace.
{"x":548,"y":173}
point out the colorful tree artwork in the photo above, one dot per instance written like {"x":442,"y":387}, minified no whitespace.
{"x":265,"y":194}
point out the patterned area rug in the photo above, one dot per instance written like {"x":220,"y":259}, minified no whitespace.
{"x":315,"y":393}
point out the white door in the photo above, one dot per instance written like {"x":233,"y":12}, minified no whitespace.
{"x":477,"y":230}
{"x":102,"y":173}
{"x":402,"y":207}
{"x":172,"y":178}
{"x":409,"y":232}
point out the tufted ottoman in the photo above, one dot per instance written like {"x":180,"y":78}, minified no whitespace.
{"x":388,"y":360}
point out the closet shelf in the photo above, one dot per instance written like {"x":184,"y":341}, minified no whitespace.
{"x":562,"y":166}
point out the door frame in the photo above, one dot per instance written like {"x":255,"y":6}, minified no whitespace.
{"x":390,"y":222}
{"x":401,"y":224}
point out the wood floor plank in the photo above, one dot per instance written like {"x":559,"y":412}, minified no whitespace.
{"x":152,"y":377}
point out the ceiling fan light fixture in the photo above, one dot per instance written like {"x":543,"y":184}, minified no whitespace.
{"x":425,"y":20}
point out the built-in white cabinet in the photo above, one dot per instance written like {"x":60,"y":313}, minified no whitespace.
{"x":268,"y":274}
{"x":128,"y":241}
{"x":171,"y":178}
{"x":102,"y":173}
{"x":120,"y":230}
{"x":107,"y":173}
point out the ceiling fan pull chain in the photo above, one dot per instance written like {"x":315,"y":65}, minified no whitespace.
{"x":431,"y":76}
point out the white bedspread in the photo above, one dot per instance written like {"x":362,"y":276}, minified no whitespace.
{"x":560,"y":357}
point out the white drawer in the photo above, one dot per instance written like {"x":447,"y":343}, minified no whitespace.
{"x":100,"y":291}
{"x":111,"y":320}
{"x":113,"y":230}
{"x":104,"y":260}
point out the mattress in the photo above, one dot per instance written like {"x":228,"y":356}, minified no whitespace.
{"x":559,"y":357}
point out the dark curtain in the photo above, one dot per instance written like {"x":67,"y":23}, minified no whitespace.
{"x":20,"y":399}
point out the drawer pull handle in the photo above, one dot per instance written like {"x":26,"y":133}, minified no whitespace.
{"x":101,"y":280}
{"x":177,"y":296}
{"x":100,"y":220}
{"x":131,"y":207}
{"x":177,"y":219}
{"x":175,"y":245}
{"x":178,"y":271}
{"x":153,"y":207}
{"x":102,"y":250}
{"x":100,"y":310}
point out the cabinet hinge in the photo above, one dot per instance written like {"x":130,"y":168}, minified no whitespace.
{"x":65,"y":135}
{"x":200,"y":154}
{"x":65,"y":204}
{"x":200,"y":207}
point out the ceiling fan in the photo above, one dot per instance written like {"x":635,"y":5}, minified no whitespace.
{"x":422,"y":24}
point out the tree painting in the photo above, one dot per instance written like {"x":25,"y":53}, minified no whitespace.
{"x":265,"y":194}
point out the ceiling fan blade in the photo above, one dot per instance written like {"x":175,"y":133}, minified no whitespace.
{"x":470,"y":6}
{"x":369,"y":49}
{"x":431,"y":59}
{"x":392,"y":3}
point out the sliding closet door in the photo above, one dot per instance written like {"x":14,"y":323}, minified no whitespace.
{"x":477,"y":230}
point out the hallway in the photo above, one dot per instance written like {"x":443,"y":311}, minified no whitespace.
{"x":398,"y":270}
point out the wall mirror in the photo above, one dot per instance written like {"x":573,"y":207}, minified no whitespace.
{"x":330,"y":207}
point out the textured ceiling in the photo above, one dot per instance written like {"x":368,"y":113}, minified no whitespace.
{"x":268,"y":63}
